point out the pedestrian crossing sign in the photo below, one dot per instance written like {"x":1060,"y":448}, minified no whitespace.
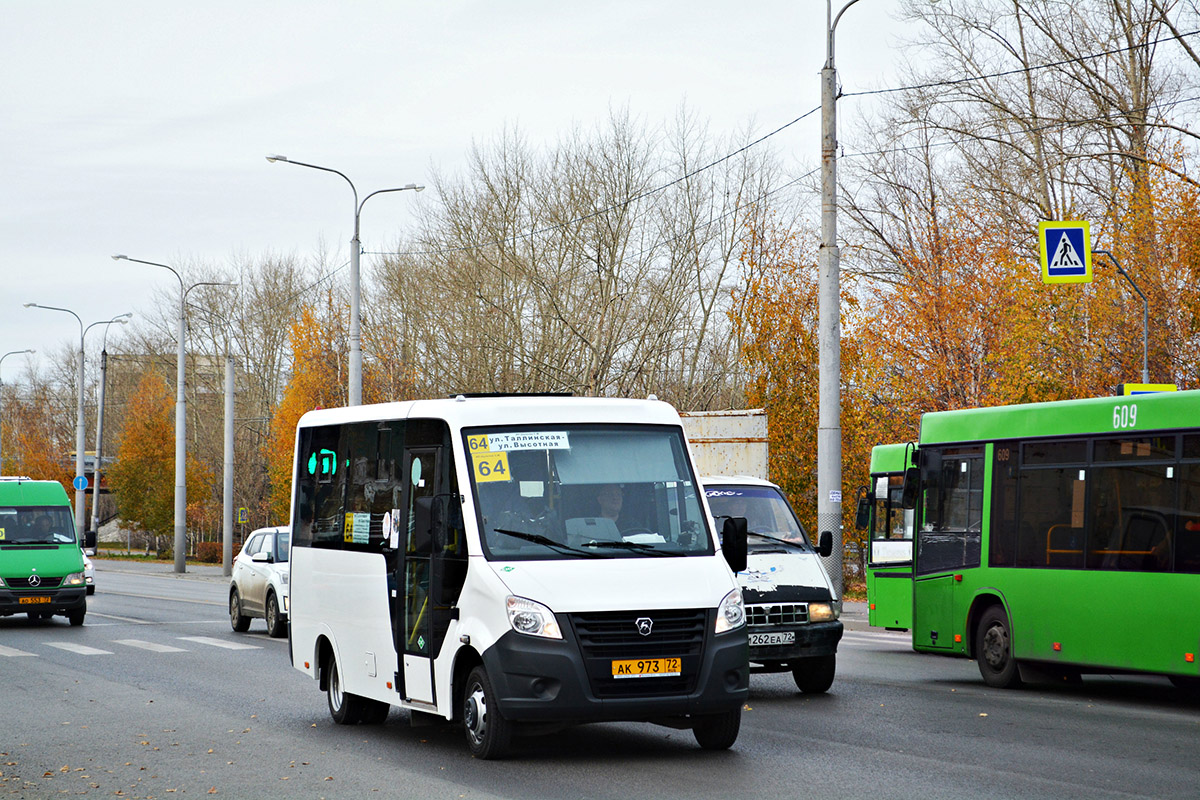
{"x":1066,"y":249}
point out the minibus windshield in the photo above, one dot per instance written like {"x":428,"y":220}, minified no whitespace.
{"x":585,"y":491}
{"x":36,"y":525}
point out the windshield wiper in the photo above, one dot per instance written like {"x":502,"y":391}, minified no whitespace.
{"x":777,"y":540}
{"x":640,"y":547}
{"x":546,"y":541}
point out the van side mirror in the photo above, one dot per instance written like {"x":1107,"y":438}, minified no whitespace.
{"x":825,"y":544}
{"x":862,"y":514}
{"x":89,"y":542}
{"x":733,"y":543}
{"x":912,"y":487}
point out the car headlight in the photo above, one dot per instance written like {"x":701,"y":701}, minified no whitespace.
{"x":731,"y":613}
{"x":283,"y":578}
{"x":532,"y":618}
{"x":74,"y":579}
{"x":823,"y":612}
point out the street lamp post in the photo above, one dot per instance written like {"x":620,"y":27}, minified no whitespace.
{"x":122,"y":319}
{"x":6,"y":355}
{"x":1145,"y":314}
{"x":354,"y":389}
{"x":80,"y":485}
{"x":180,"y":540}
{"x":829,"y":324}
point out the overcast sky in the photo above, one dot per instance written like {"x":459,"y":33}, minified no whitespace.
{"x":141,"y":127}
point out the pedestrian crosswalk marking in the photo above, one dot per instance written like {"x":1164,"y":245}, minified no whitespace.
{"x":12,"y":651}
{"x":153,"y":647}
{"x":219,"y":643}
{"x":81,"y":649}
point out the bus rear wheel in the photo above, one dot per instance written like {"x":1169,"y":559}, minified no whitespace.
{"x":347,"y":708}
{"x":489,"y":734}
{"x":993,"y":650}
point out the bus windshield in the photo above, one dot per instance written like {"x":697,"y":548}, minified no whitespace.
{"x":585,"y":491}
{"x":36,"y":525}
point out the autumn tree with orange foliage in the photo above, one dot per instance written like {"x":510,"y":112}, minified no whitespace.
{"x":37,"y":439}
{"x":143,"y":478}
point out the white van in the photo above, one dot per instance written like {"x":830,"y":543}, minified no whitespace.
{"x":792,"y":609}
{"x":462,"y":559}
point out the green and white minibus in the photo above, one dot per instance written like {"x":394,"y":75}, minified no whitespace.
{"x":1061,"y":537}
{"x":41,"y":560}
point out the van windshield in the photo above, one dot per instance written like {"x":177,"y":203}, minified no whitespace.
{"x":768,"y":515}
{"x":36,"y":525}
{"x":585,"y":491}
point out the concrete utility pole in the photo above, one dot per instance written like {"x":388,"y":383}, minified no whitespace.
{"x":829,"y":325}
{"x":354,"y":388}
{"x":227,"y":484}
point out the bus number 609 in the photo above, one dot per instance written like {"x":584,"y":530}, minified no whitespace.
{"x":1125,"y":416}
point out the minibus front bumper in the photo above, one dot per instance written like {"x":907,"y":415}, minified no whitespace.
{"x":51,"y":601}
{"x":550,"y":680}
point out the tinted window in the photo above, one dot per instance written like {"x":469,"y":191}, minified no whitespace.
{"x":952,"y":519}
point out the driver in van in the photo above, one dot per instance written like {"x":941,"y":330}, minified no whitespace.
{"x":41,"y":528}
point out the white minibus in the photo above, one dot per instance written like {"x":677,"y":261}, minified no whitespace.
{"x":515,"y":563}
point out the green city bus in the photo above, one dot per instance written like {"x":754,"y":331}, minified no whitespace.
{"x":889,"y":539}
{"x":1061,"y":538}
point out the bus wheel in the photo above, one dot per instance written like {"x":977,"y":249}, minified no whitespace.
{"x":76,"y":617}
{"x":814,"y":675}
{"x":488,"y":733}
{"x":276,"y":627}
{"x":344,"y":707}
{"x":993,"y":650}
{"x":240,"y":623}
{"x":718,"y":731}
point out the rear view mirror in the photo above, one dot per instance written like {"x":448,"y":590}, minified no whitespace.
{"x":912,"y":486}
{"x":261,"y":557}
{"x":862,"y":514}
{"x":89,"y":542}
{"x":733,"y":542}
{"x":825,"y":544}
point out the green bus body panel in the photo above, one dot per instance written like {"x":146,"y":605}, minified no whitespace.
{"x":1063,"y":418}
{"x":1104,"y":620}
{"x":890,"y":596}
{"x":890,"y":458}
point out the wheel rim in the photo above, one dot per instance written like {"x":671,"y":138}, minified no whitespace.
{"x":271,"y":612}
{"x":995,"y":647}
{"x":335,"y":687}
{"x":475,"y":714}
{"x":235,"y":608}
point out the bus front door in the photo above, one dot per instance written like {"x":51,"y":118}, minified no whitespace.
{"x":414,"y":633}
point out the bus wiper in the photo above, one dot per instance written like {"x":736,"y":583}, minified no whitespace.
{"x":640,"y":547}
{"x":546,"y":541}
{"x":777,"y":540}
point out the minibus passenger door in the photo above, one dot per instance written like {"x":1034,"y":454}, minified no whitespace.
{"x":414,"y":640}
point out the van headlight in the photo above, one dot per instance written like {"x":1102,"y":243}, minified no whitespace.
{"x":823,"y":612}
{"x":731,"y":613}
{"x":74,"y":579}
{"x":526,"y":616}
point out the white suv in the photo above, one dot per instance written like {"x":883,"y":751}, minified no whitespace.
{"x":259,"y":587}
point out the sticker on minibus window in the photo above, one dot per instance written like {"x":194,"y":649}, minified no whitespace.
{"x":358,"y":527}
{"x":1,"y":534}
{"x":490,"y":466}
{"x":524,"y":440}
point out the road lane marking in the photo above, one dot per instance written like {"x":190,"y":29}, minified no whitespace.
{"x":164,"y":597}
{"x":12,"y":651}
{"x":81,"y":649}
{"x":219,"y":643}
{"x":122,"y":619}
{"x":153,"y":647}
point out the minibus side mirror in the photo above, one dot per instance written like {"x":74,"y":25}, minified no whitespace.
{"x":825,"y":544}
{"x":912,"y":486}
{"x":862,"y":514}
{"x":733,"y":543}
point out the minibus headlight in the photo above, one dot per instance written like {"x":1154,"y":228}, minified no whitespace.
{"x":822,"y":612}
{"x":731,"y":613}
{"x":532,"y":618}
{"x":74,"y":579}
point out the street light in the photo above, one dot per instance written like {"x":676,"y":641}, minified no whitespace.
{"x":80,"y":485}
{"x":120,"y":319}
{"x":180,"y":541}
{"x":829,"y":322}
{"x":1145,"y":313}
{"x":355,"y":378}
{"x":6,"y":355}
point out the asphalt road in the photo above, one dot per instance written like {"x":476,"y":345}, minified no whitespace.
{"x":156,"y":697}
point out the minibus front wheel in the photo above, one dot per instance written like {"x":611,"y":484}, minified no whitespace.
{"x":488,"y":733}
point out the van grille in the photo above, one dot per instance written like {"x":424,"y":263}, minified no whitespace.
{"x":772,"y":614}
{"x":608,"y":636}
{"x":23,"y":583}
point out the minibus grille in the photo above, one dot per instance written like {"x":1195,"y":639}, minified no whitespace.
{"x":770,"y":615}
{"x":23,"y":583}
{"x":608,"y":636}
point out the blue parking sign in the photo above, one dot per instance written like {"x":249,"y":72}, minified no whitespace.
{"x":1066,"y":250}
